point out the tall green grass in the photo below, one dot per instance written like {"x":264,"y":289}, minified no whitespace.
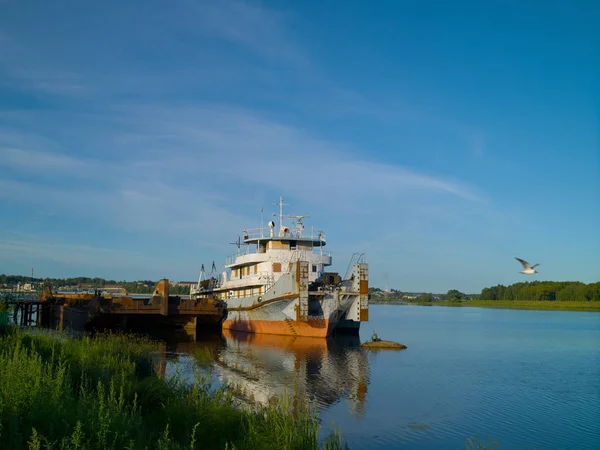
{"x":4,"y":306}
{"x":556,"y":305}
{"x":103,"y":393}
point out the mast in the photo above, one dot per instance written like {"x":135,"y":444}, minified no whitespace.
{"x":280,"y":213}
{"x":262,"y":226}
{"x":281,"y":205}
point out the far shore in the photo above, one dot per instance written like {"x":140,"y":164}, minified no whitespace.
{"x":505,"y":304}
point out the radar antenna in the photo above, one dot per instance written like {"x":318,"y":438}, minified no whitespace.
{"x":299,"y":224}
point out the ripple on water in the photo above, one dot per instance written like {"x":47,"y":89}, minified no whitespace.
{"x":526,"y":380}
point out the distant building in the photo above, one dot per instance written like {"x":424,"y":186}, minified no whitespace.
{"x":182,"y":283}
{"x":25,"y":287}
{"x":114,"y":289}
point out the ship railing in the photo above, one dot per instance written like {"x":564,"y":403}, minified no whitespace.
{"x":247,"y":250}
{"x":357,"y":258}
{"x":269,"y":279}
{"x":242,"y":251}
{"x":259,"y":233}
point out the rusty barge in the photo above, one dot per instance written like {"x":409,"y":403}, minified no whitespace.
{"x":97,"y":311}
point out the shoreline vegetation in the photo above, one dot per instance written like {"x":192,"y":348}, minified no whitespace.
{"x":502,"y":304}
{"x":62,"y":392}
{"x":535,"y":295}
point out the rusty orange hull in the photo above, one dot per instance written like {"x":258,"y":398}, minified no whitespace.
{"x":310,"y":328}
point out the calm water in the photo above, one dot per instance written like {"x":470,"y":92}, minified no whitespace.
{"x":529,"y":379}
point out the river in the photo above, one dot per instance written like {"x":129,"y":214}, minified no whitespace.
{"x":527,"y":379}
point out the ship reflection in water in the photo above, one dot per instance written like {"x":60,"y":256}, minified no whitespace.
{"x":263,"y":367}
{"x":324,"y":370}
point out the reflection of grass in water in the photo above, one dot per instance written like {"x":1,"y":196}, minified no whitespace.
{"x":476,"y":444}
{"x":103,"y":393}
{"x":204,"y":356}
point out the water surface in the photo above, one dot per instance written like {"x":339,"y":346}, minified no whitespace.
{"x":528,"y":379}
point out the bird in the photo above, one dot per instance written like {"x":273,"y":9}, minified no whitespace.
{"x":527,"y":269}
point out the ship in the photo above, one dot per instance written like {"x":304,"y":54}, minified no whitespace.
{"x":277,"y":283}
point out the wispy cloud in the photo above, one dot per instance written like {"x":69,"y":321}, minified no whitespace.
{"x":181,"y":171}
{"x":50,"y":257}
{"x":181,"y":131}
{"x":263,"y":30}
{"x":237,"y":143}
{"x":37,"y":247}
{"x":36,"y":161}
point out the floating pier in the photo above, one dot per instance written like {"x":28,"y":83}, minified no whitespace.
{"x":88,"y":311}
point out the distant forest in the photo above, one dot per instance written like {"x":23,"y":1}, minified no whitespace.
{"x":530,"y":291}
{"x":133,"y":287}
{"x":570,"y":291}
{"x":544,"y":291}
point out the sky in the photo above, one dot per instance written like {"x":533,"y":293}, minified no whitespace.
{"x":441,"y":139}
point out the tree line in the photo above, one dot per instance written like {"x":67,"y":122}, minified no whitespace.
{"x":544,"y":291}
{"x":13,"y":280}
{"x":570,"y":291}
{"x":134,"y":287}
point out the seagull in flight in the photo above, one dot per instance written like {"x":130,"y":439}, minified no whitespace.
{"x":527,"y":269}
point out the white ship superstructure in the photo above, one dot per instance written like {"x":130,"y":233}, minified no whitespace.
{"x":276,"y":283}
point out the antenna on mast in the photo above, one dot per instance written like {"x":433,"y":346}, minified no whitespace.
{"x":262,"y":227}
{"x":238,"y":243}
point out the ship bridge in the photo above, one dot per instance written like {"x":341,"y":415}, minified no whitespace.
{"x":285,"y":234}
{"x":266,"y":240}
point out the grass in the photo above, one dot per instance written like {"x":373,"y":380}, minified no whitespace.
{"x":537,"y":305}
{"x":546,"y":305}
{"x":103,"y":393}
{"x":4,"y":306}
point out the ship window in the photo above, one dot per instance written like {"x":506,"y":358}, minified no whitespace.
{"x":256,"y":269}
{"x":314,"y":268}
{"x":276,"y":267}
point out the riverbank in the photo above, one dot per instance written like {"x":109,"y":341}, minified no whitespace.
{"x":534,"y":305}
{"x":104,"y":393}
{"x":507,"y":304}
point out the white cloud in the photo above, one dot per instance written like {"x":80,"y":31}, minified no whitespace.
{"x":244,"y":146}
{"x":34,"y":160}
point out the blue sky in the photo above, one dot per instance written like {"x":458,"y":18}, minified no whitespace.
{"x":442,"y":139}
